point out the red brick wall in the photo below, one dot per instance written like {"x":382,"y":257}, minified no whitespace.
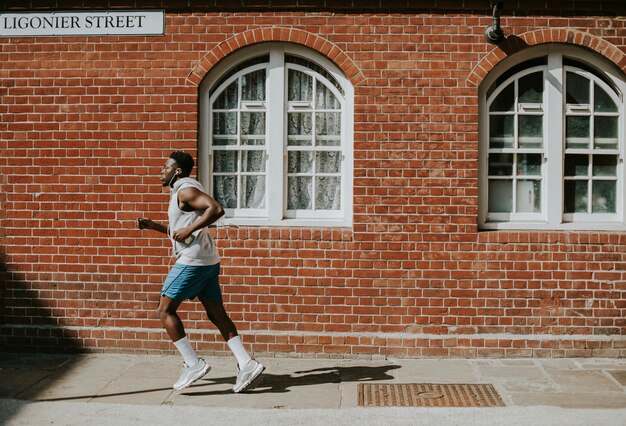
{"x":86,"y":122}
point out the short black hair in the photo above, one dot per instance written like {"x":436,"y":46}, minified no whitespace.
{"x":184,"y":161}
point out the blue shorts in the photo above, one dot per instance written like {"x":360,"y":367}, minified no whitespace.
{"x":187,"y":282}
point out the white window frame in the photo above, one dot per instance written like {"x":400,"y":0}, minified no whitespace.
{"x":275,"y":213}
{"x":552,"y":214}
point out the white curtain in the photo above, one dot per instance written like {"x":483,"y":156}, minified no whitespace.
{"x":316,"y":189}
{"x":313,"y":173}
{"x":239,"y":175}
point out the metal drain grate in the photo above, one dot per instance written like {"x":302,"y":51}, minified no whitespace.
{"x":428,"y":395}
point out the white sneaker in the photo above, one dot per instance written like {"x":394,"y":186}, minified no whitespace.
{"x":247,"y":375}
{"x":191,"y":374}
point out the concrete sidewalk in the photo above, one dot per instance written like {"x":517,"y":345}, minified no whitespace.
{"x":136,"y":389}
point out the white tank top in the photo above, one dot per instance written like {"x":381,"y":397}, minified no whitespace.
{"x":201,"y":251}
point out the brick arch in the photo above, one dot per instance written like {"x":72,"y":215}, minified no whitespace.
{"x":267,"y":34}
{"x":563,"y":35}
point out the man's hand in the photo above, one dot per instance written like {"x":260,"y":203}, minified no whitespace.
{"x":183,"y":235}
{"x":144,"y":223}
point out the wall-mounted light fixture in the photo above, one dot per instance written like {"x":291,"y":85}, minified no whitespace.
{"x":493,"y":33}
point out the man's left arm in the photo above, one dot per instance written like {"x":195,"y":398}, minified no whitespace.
{"x":194,"y":199}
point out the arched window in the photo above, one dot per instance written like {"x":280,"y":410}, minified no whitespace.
{"x":276,"y":138}
{"x":552,"y":143}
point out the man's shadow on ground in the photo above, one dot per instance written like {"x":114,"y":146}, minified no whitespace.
{"x":281,"y":383}
{"x":268,"y":383}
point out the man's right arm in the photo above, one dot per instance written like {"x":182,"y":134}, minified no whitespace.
{"x":143,"y":223}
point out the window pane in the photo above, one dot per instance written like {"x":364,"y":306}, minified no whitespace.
{"x":225,"y":191}
{"x":228,"y":98}
{"x":253,"y":161}
{"x":530,"y":131}
{"x":253,"y":86}
{"x":253,"y":192}
{"x":328,"y":193}
{"x":328,"y":162}
{"x":505,"y":100}
{"x":531,"y":88}
{"x":500,"y":164}
{"x":328,"y":123}
{"x":225,"y":161}
{"x":577,"y":89}
{"x":501,"y":131}
{"x":224,"y":123}
{"x":500,"y":196}
{"x":603,"y":102}
{"x":242,"y":66}
{"x":314,"y":67}
{"x":300,"y":86}
{"x":576,"y":196}
{"x":577,"y":132}
{"x":299,"y":123}
{"x":604,"y":194}
{"x":324,"y":98}
{"x":529,"y":164}
{"x":576,"y":165}
{"x":528,"y":196}
{"x":605,"y":165}
{"x":252,"y":123}
{"x":605,"y":132}
{"x":300,"y":162}
{"x":299,"y":192}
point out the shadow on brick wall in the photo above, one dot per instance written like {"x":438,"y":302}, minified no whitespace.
{"x":513,"y":44}
{"x":28,"y":336}
{"x":26,"y":323}
{"x":3,"y":284}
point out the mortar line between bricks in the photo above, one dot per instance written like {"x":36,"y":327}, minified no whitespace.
{"x":382,"y":335}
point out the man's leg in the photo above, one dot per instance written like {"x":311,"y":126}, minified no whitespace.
{"x":169,"y":318}
{"x":194,"y":368}
{"x":217,"y":314}
{"x":249,"y":368}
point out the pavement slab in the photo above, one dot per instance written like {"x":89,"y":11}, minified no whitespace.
{"x":618,"y":375}
{"x":558,"y":364}
{"x":588,"y":400}
{"x":434,"y":371}
{"x":21,"y":372}
{"x":89,"y":375}
{"x":573,"y":381}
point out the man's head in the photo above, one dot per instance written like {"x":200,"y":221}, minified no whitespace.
{"x":178,"y":165}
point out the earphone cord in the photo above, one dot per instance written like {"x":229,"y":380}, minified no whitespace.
{"x":170,"y":183}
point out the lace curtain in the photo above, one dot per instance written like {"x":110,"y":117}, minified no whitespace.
{"x":239,"y":150}
{"x":313,"y":175}
{"x":239,"y":173}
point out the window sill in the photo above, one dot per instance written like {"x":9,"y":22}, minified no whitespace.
{"x":310,"y":223}
{"x":544,"y":226}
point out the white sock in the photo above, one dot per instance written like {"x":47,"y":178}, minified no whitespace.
{"x":236,"y":345}
{"x":185,"y":349}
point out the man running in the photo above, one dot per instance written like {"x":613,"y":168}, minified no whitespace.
{"x":196,"y":271}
